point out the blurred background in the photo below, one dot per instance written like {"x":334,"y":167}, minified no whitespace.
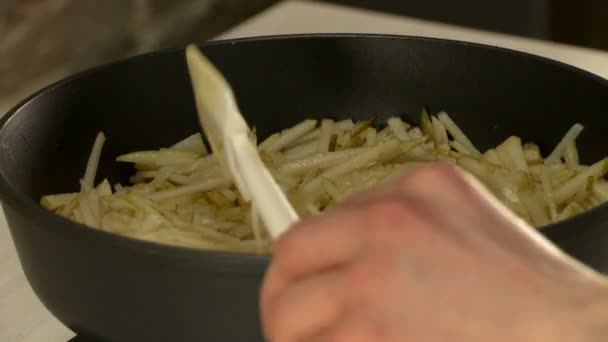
{"x":44,"y":40}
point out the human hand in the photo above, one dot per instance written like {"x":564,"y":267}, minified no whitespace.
{"x":431,"y":257}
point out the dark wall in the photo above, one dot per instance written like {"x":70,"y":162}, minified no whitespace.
{"x":580,"y":22}
{"x":583,"y":22}
{"x":524,"y":17}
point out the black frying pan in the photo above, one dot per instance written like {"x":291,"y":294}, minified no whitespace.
{"x":118,"y":289}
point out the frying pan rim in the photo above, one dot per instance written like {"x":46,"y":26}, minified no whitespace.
{"x":213,"y":260}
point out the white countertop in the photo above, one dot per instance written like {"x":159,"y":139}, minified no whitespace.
{"x":24,"y":319}
{"x":292,"y":17}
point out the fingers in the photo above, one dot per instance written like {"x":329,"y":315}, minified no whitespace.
{"x":316,"y":245}
{"x":357,"y":326}
{"x":311,"y":247}
{"x":318,"y":263}
{"x":305,"y":308}
{"x":367,"y":270}
{"x":440,"y":183}
{"x":435,"y":192}
{"x":482,"y":222}
{"x":337,"y":237}
{"x":442,"y":186}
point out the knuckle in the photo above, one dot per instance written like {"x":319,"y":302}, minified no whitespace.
{"x":344,"y":334}
{"x":387,"y":211}
{"x":288,"y":244}
{"x":388,"y":218}
{"x":374,"y":330}
{"x":272,"y":320}
{"x":435,"y":175}
{"x":360,"y":328}
{"x":367,"y":277}
{"x":283,"y":242}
